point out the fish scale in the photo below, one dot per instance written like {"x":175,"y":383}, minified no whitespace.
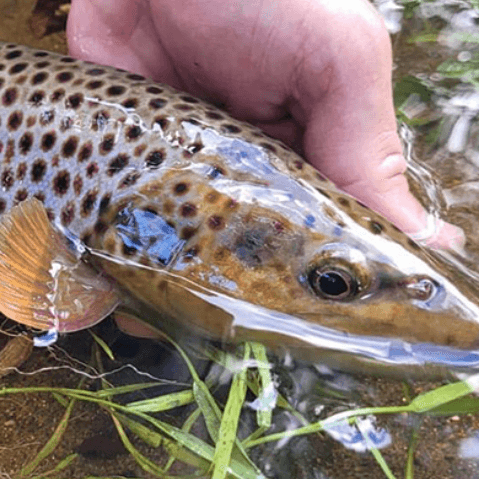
{"x":198,"y":217}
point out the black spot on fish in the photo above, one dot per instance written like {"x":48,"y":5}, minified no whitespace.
{"x":21,"y":195}
{"x":214,"y":116}
{"x":38,"y":78}
{"x":77,"y":184}
{"x":189,"y":99}
{"x":216,"y":223}
{"x":9,"y":96}
{"x":154,"y":90}
{"x":14,"y":120}
{"x":14,"y":54}
{"x":48,"y":140}
{"x":130,"y":179}
{"x":413,"y":244}
{"x":117,"y":164}
{"x":162,"y":122}
{"x":94,"y":72}
{"x":3,"y":205}
{"x":191,"y":253}
{"x":57,"y":95}
{"x":39,"y":168}
{"x":7,"y":179}
{"x":61,"y":182}
{"x":74,"y":101}
{"x":188,"y":232}
{"x":181,"y":188}
{"x":67,"y":60}
{"x":85,"y":152}
{"x":155,"y":158}
{"x":25,"y":143}
{"x":157,"y":103}
{"x":344,"y":202}
{"x":183,"y":107}
{"x":21,"y":171}
{"x":115,"y":90}
{"x":228,"y":128}
{"x":42,"y":64}
{"x":104,"y":203}
{"x":107,"y":144}
{"x":135,"y":77}
{"x":19,"y":67}
{"x":64,"y":77}
{"x":188,"y":210}
{"x":269,"y":147}
{"x":133,"y":132}
{"x":68,"y":214}
{"x":94,"y":84}
{"x":130,"y":103}
{"x":88,"y":203}
{"x":70,"y":146}
{"x":100,"y":120}
{"x":100,"y":227}
{"x":36,"y":98}
{"x":92,"y":170}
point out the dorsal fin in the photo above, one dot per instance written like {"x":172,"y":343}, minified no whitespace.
{"x":42,"y":282}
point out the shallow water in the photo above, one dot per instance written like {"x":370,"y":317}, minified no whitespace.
{"x":441,"y":138}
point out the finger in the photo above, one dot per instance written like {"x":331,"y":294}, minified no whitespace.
{"x":119,"y":33}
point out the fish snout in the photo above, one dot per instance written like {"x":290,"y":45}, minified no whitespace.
{"x":422,"y":288}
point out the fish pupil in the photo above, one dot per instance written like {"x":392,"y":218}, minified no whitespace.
{"x":333,"y":284}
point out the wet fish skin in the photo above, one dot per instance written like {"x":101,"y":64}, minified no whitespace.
{"x":199,"y":216}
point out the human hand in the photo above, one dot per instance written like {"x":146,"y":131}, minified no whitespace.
{"x":315,"y":74}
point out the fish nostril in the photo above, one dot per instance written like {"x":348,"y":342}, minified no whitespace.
{"x":422,"y":288}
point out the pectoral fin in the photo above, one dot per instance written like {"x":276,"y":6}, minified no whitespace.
{"x":43,"y":284}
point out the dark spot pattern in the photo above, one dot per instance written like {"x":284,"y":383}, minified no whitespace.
{"x":21,"y":195}
{"x":135,"y":77}
{"x":43,"y":64}
{"x":183,"y":107}
{"x":228,"y":128}
{"x":133,"y":132}
{"x":77,"y":184}
{"x":100,"y":120}
{"x":36,"y":98}
{"x":191,"y":253}
{"x":216,"y":223}
{"x":38,"y":171}
{"x":269,"y":147}
{"x":21,"y":171}
{"x":64,"y":77}
{"x":94,"y":84}
{"x":40,"y":54}
{"x":15,"y":120}
{"x":69,"y":146}
{"x":104,"y":203}
{"x":157,"y":103}
{"x":19,"y":67}
{"x":181,"y":188}
{"x":38,"y":78}
{"x":3,"y":205}
{"x":155,"y":158}
{"x":344,"y":202}
{"x":88,"y":203}
{"x":25,"y":143}
{"x":74,"y":101}
{"x":91,"y":170}
{"x":188,"y":210}
{"x":94,"y":72}
{"x":154,"y":90}
{"x":130,"y":179}
{"x":107,"y":144}
{"x":189,"y":99}
{"x":68,"y":214}
{"x":46,"y":117}
{"x":7,"y":179}
{"x":187,"y":233}
{"x":40,"y":197}
{"x":13,"y":54}
{"x":48,"y":141}
{"x":115,"y":90}
{"x":214,"y":116}
{"x":9,"y":96}
{"x":130,"y":103}
{"x":117,"y":164}
{"x":57,"y":95}
{"x":85,"y":152}
{"x":61,"y":182}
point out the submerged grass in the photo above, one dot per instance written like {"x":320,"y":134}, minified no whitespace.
{"x":224,"y":455}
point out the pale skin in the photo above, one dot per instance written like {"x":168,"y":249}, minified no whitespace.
{"x":313,"y":73}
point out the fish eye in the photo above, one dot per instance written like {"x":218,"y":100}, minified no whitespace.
{"x":332,"y":283}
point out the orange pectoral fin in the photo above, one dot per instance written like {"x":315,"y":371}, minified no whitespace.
{"x":43,"y":284}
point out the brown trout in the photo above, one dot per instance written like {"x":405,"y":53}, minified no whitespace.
{"x":119,"y":192}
